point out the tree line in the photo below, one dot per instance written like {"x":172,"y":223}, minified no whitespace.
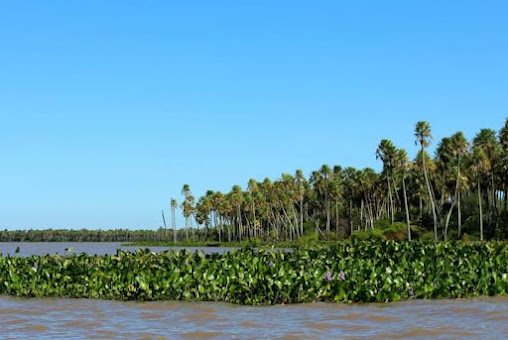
{"x":462,"y":187}
{"x":459,"y":191}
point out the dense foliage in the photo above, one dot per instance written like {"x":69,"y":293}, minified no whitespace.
{"x":462,"y":189}
{"x":355,"y":271}
{"x":86,"y":235}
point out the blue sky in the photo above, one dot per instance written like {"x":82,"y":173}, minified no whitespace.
{"x":108,"y":107}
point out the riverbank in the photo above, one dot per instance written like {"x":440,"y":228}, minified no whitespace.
{"x":344,"y":272}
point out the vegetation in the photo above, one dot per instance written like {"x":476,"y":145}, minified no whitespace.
{"x":84,"y":235}
{"x":462,"y":189}
{"x":459,"y":193}
{"x":355,"y":271}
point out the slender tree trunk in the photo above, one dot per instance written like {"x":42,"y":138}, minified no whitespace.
{"x":361,"y":215}
{"x":302,"y":231}
{"x":187,"y":228}
{"x":459,"y":216}
{"x":337,"y":218}
{"x":431,"y":198}
{"x":407,"y":208}
{"x":445,"y":234}
{"x":163,"y":219}
{"x":351,"y":216}
{"x":480,"y":207}
{"x":173,"y":222}
{"x":420,"y":207}
{"x":390,"y":208}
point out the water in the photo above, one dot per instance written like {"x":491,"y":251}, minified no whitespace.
{"x":484,"y":318}
{"x":99,"y":248}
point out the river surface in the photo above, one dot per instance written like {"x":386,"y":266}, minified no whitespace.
{"x":99,"y":248}
{"x":483,"y":318}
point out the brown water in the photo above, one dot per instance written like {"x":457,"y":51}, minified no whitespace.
{"x":485,"y":318}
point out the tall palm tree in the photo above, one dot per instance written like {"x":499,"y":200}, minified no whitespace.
{"x":487,"y":140}
{"x":403,"y":163}
{"x":503,"y":140}
{"x":460,"y":147}
{"x":423,"y":136}
{"x":326,"y":172}
{"x":386,"y":152}
{"x":479,"y":167}
{"x":300,"y":182}
{"x":174,"y":206}
{"x":187,"y":208}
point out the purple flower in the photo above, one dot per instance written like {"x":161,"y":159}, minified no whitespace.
{"x":328,"y":276}
{"x":36,"y":266}
{"x":270,"y":264}
{"x":342,"y":276}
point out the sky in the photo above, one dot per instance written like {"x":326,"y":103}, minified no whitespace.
{"x":108,"y":107}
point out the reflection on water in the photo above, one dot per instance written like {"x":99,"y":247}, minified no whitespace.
{"x":485,"y":318}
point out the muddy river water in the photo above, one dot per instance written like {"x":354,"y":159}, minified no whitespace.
{"x":20,"y":318}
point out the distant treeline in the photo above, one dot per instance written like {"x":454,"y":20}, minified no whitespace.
{"x":87,"y":235}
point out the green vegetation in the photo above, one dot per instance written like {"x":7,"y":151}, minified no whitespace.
{"x":459,"y":194}
{"x":355,"y":271}
{"x":83,"y":235}
{"x":462,"y":189}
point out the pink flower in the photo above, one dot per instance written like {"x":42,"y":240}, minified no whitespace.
{"x":328,"y":276}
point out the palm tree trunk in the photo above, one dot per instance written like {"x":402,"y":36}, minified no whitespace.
{"x":481,"y":213}
{"x":407,"y":208}
{"x":351,"y":216}
{"x":337,"y":221}
{"x":459,"y":216}
{"x":173,"y":222}
{"x":431,"y":198}
{"x":390,"y":208}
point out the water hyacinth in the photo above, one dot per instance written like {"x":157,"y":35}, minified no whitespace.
{"x":419,"y":270}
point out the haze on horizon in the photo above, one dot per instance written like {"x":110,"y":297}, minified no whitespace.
{"x":108,"y":108}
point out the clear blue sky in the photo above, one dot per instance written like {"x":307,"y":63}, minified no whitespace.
{"x":108,"y":107}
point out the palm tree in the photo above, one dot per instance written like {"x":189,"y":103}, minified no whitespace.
{"x":403,"y":163}
{"x":386,"y":153}
{"x":423,"y":136}
{"x":503,"y":139}
{"x":460,"y":147}
{"x":300,"y":182}
{"x":174,"y":206}
{"x":487,"y":140}
{"x":326,"y":172}
{"x":479,"y":167}
{"x":187,"y":208}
